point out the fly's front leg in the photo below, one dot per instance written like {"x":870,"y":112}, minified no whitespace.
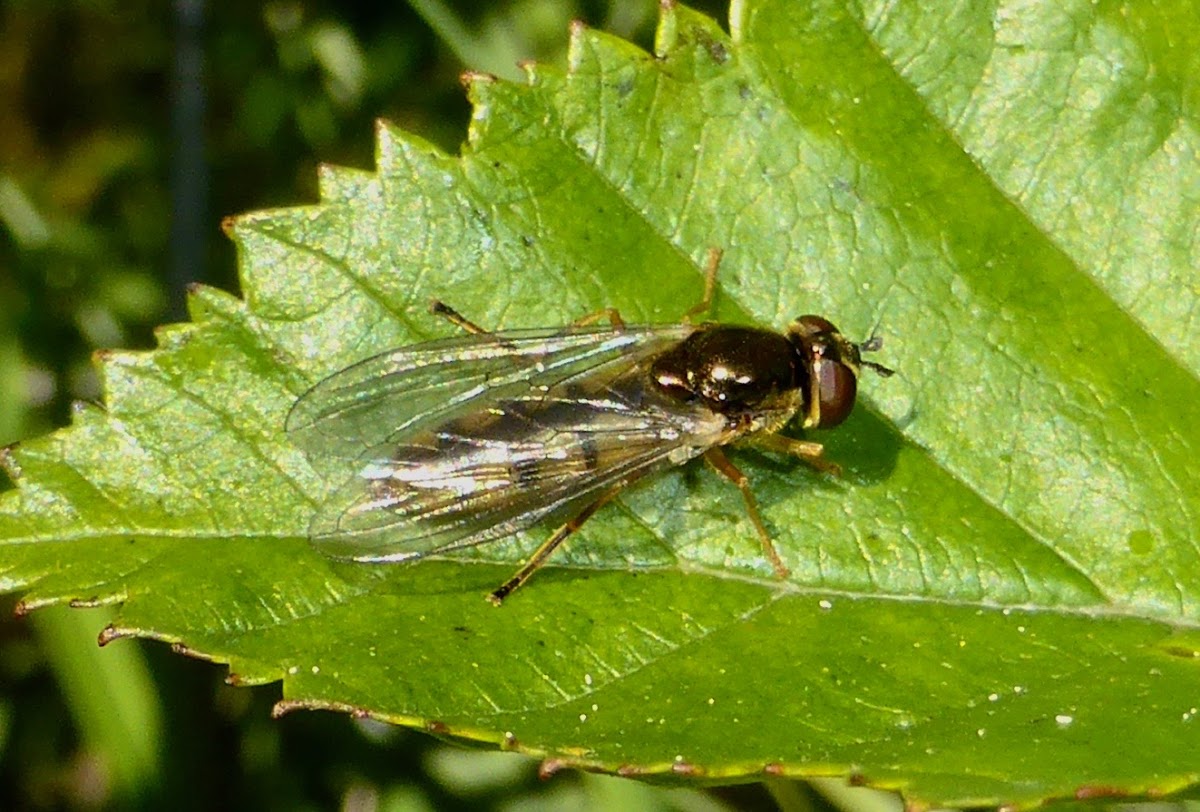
{"x":812,"y":453}
{"x":540,"y":555}
{"x":717,"y":459}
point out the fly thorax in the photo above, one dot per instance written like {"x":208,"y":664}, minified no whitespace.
{"x":733,"y":370}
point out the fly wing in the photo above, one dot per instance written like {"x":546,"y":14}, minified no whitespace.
{"x":542,"y":448}
{"x":398,"y":393}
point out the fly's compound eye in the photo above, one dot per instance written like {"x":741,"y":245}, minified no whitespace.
{"x":837,"y":386}
{"x":833,"y":364}
{"x":811,"y":325}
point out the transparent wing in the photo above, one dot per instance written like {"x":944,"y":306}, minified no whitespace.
{"x":519,"y":452}
{"x":396,"y":393}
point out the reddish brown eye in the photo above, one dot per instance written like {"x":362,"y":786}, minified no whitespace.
{"x":816,"y":324}
{"x":837,"y":387}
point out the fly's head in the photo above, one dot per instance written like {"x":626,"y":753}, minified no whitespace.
{"x":830,"y":364}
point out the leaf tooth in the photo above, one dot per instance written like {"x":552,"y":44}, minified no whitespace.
{"x":340,"y":185}
{"x":576,"y":45}
{"x":33,"y":601}
{"x":587,"y":45}
{"x":666,"y":36}
{"x":470,"y":78}
{"x":8,"y":462}
{"x":400,"y":156}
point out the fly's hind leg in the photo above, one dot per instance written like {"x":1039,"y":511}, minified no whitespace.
{"x":542,"y":553}
{"x":717,"y":459}
{"x":440,"y":308}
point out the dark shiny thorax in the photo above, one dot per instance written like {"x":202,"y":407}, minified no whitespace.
{"x":731,"y":369}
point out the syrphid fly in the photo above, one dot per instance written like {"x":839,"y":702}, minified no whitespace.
{"x":461,"y":441}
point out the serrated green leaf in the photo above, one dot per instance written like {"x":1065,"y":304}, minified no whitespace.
{"x":998,"y":603}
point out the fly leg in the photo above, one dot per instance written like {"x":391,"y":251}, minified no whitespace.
{"x":717,"y":459}
{"x":540,"y":555}
{"x":812,"y":453}
{"x":611,"y":313}
{"x":440,"y":308}
{"x":712,"y":261}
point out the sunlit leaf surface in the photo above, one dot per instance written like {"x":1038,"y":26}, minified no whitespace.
{"x":996,"y":603}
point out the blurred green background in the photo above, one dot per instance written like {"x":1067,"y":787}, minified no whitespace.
{"x":127,"y":131}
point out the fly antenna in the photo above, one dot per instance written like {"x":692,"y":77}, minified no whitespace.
{"x":875,"y":344}
{"x":879,"y":369}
